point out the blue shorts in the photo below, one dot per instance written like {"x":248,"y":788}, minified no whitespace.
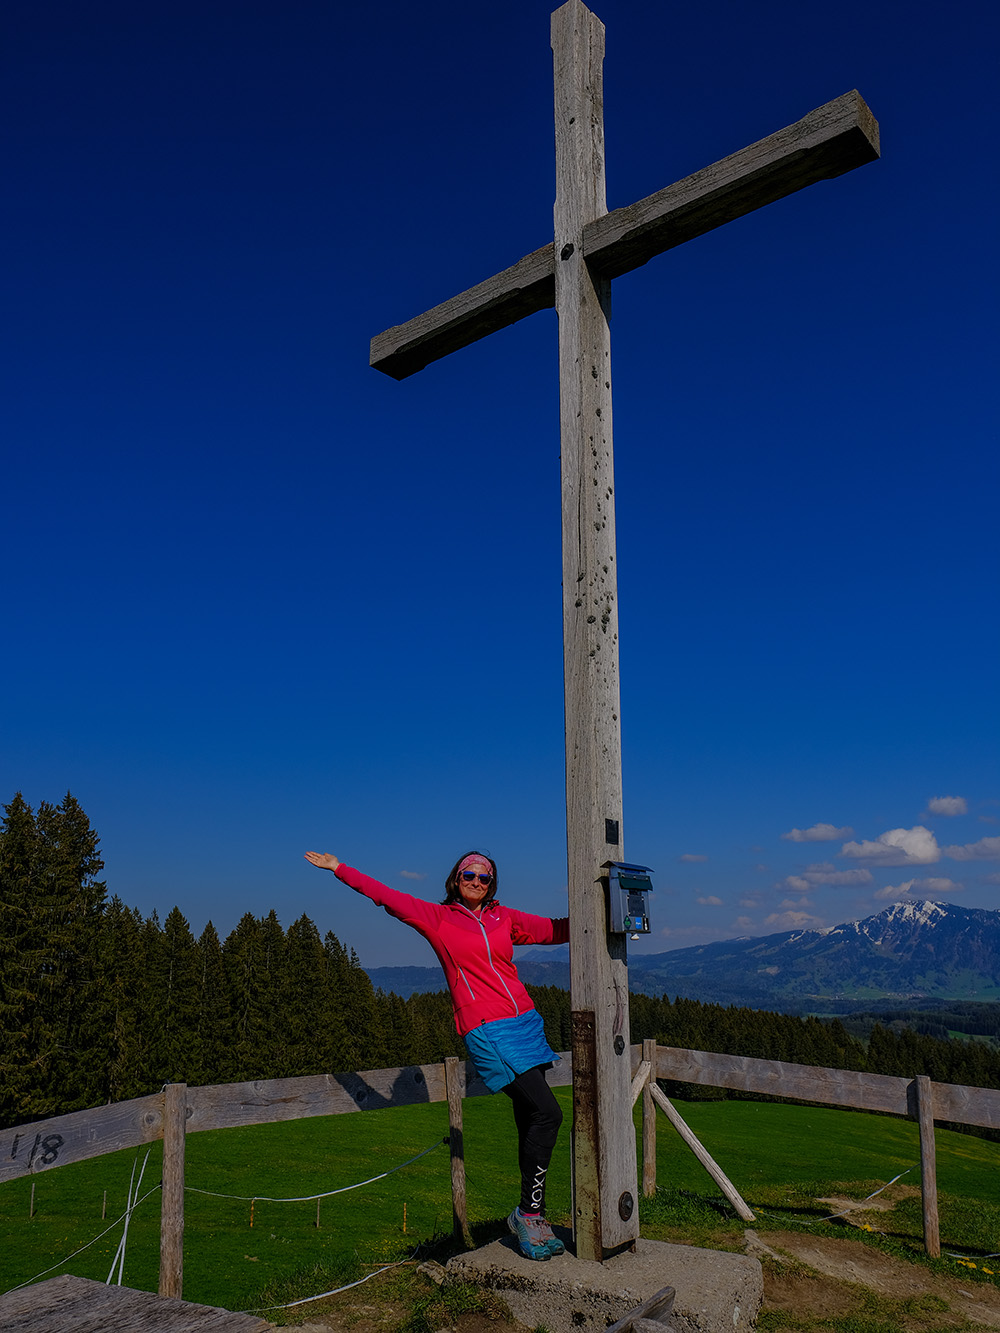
{"x":507,"y":1047}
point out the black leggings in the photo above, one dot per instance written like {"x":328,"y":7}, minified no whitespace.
{"x":538,"y":1116}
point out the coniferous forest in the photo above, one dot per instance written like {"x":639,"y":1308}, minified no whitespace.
{"x":99,"y":1004}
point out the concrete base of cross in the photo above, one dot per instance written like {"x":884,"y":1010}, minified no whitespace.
{"x":716,"y":1292}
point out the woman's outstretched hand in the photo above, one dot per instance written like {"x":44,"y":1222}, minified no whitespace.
{"x":325,"y":860}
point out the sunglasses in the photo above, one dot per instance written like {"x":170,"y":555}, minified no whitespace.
{"x":469,"y":875}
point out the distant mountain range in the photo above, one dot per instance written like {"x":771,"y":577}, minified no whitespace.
{"x":910,"y":951}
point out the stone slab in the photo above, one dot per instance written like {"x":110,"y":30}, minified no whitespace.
{"x":717,"y":1292}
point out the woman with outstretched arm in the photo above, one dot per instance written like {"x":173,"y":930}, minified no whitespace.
{"x":473,"y":936}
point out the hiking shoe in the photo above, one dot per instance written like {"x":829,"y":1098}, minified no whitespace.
{"x":529,"y":1233}
{"x":552,"y":1242}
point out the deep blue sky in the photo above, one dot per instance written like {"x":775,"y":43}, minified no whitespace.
{"x":261,"y":598}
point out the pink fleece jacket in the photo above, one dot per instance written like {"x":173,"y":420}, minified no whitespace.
{"x":475,"y":949}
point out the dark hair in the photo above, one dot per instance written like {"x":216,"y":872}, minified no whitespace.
{"x":451,"y":893}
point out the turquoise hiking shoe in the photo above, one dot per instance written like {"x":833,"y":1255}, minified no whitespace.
{"x":552,"y":1242}
{"x":529,"y":1233}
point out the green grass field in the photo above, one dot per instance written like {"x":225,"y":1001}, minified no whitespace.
{"x":781,"y":1158}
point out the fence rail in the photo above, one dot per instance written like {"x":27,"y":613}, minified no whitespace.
{"x":179,"y":1110}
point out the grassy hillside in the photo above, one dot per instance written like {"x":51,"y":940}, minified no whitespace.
{"x":780,"y":1157}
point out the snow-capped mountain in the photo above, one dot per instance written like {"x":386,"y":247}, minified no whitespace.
{"x":907,"y":951}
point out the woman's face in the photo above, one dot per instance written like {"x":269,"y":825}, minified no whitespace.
{"x":473,"y":891}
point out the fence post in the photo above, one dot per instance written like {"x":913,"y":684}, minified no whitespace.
{"x":928,"y":1165}
{"x":456,"y":1139}
{"x":649,"y":1122}
{"x":172,"y":1201}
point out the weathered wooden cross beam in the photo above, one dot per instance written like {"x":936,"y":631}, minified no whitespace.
{"x":573,"y":273}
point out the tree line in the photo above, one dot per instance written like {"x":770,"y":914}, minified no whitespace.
{"x":98,"y":1003}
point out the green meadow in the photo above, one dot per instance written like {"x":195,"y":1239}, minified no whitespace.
{"x":781,"y":1158}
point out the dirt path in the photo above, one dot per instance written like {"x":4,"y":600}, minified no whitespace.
{"x":835,"y":1265}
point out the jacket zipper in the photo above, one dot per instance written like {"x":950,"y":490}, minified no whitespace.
{"x":489,"y":956}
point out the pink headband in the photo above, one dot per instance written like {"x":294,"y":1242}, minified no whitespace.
{"x":467,"y":861}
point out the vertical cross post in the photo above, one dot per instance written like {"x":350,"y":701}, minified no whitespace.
{"x":604,"y":1205}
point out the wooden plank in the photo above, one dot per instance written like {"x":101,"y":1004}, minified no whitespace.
{"x":639,"y":1080}
{"x":807,"y":1083}
{"x":598,"y":966}
{"x":702,"y":1153}
{"x":654,"y":1310}
{"x":649,"y":1122}
{"x":264,"y":1101}
{"x":924,"y":1090}
{"x":835,"y":138}
{"x":30,"y":1149}
{"x":520,"y":290}
{"x":77,"y":1305}
{"x":967,"y":1106}
{"x":455,"y":1084}
{"x":172,"y":1194}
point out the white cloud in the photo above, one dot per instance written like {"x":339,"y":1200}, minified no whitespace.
{"x":818,"y":833}
{"x":744,"y":923}
{"x":894,"y":890}
{"x":411,"y":874}
{"x":986,"y":849}
{"x":795,"y":902}
{"x":994,"y":878}
{"x":793,"y":921}
{"x":947,"y":805}
{"x":915,"y":846}
{"x":749,"y":902}
{"x":692,"y":856}
{"x":710,"y":901}
{"x":916,"y":887}
{"x":823,"y":873}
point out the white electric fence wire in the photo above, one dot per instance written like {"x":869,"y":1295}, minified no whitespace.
{"x":119,"y":1258}
{"x":308,"y":1198}
{"x":62,"y":1262}
{"x":336,"y":1291}
{"x":814,"y":1221}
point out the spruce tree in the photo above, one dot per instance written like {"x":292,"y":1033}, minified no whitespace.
{"x":215,"y":1027}
{"x":25,"y":1052}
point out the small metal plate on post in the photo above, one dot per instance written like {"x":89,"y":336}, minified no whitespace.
{"x":626,"y":1206}
{"x":619,"y":1044}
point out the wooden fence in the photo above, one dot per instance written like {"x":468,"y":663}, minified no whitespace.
{"x":178,"y":1110}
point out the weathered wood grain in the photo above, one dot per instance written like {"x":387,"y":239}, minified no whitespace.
{"x":654,"y":1309}
{"x":702,"y":1153}
{"x":639,"y":1080}
{"x":175,"y":1107}
{"x":30,"y":1149}
{"x":829,"y":141}
{"x":598,"y":966}
{"x":454,"y":1083}
{"x":967,"y":1106}
{"x":924,"y":1089}
{"x":833,"y":139}
{"x":808,"y":1083}
{"x":265,"y":1101}
{"x":520,"y":290}
{"x":78,"y":1305}
{"x":649,"y":1121}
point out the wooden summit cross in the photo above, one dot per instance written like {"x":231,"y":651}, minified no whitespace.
{"x":574,"y":273}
